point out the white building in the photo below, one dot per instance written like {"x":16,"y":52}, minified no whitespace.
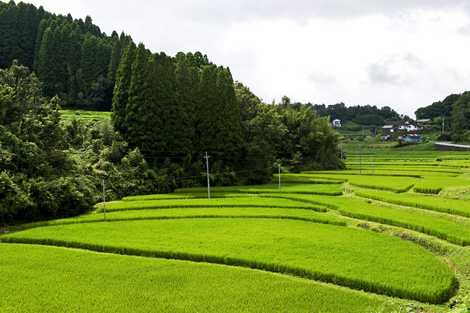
{"x":409,"y":128}
{"x":337,"y":123}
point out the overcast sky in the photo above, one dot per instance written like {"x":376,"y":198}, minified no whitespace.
{"x":401,"y":53}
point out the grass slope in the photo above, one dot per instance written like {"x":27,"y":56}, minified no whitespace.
{"x":66,"y":280}
{"x":86,"y":116}
{"x":450,"y":228}
{"x":186,"y":213}
{"x":389,"y":183}
{"x":249,"y":202}
{"x":349,"y":257}
{"x":328,"y":189}
{"x":433,"y":203}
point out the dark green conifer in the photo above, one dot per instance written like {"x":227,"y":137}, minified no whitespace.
{"x":121,"y":89}
{"x":138,"y":92}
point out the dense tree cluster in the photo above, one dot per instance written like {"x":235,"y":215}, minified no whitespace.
{"x":439,"y":109}
{"x":49,"y":170}
{"x":167,"y":113}
{"x":453,"y":113}
{"x":37,"y":179}
{"x":72,"y":58}
{"x":176,"y":109}
{"x":461,"y":118}
{"x":362,"y":115}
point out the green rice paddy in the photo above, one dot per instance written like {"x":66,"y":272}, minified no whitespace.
{"x":85,"y":116}
{"x":66,"y":280}
{"x":389,"y":234}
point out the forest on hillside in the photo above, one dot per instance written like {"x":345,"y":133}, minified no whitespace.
{"x":365,"y":115}
{"x":452,"y":115}
{"x":167,"y":113}
{"x":72,"y":58}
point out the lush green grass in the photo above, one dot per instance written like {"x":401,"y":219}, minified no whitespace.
{"x":305,"y":179}
{"x":171,"y":196}
{"x":433,"y":203}
{"x":229,"y":202}
{"x":394,"y":169}
{"x":44,"y":279}
{"x":435,"y":184}
{"x":310,"y":188}
{"x":82,"y":115}
{"x":368,"y":173}
{"x":228,"y":212}
{"x":344,"y":256}
{"x":390,"y":183}
{"x":307,"y":229}
{"x":453,"y":229}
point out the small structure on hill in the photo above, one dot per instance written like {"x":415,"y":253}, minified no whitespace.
{"x":408,"y":128}
{"x":337,"y":123}
{"x":388,"y":130}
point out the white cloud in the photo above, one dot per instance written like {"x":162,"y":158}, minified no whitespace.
{"x":402,"y":53}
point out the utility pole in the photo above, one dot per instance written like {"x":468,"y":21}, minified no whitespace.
{"x":279,"y":174}
{"x":104,"y":198}
{"x":208,"y":178}
{"x":443,"y":125}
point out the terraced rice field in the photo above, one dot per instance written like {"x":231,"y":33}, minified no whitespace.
{"x":85,"y":116}
{"x":97,"y":282}
{"x":389,"y":234}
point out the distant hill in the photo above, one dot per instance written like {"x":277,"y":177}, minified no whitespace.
{"x":362,"y":115}
{"x":451,"y":115}
{"x":438,"y":109}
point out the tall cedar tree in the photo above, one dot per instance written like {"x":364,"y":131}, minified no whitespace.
{"x":56,"y":56}
{"x":228,"y":119}
{"x":138,"y":93}
{"x":172,"y":136}
{"x":206,"y":119}
{"x":187,"y":80}
{"x":121,"y":89}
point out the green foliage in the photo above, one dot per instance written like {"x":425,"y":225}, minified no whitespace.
{"x":73,"y":58}
{"x":363,"y":115}
{"x":455,"y":110}
{"x":53,"y":169}
{"x":166,"y":107}
{"x":18,"y":30}
{"x":428,"y":190}
{"x":121,"y":88}
{"x":102,"y":153}
{"x":12,"y":198}
{"x":172,"y":109}
{"x":35,"y":167}
{"x":461,"y":118}
{"x":438,"y":109}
